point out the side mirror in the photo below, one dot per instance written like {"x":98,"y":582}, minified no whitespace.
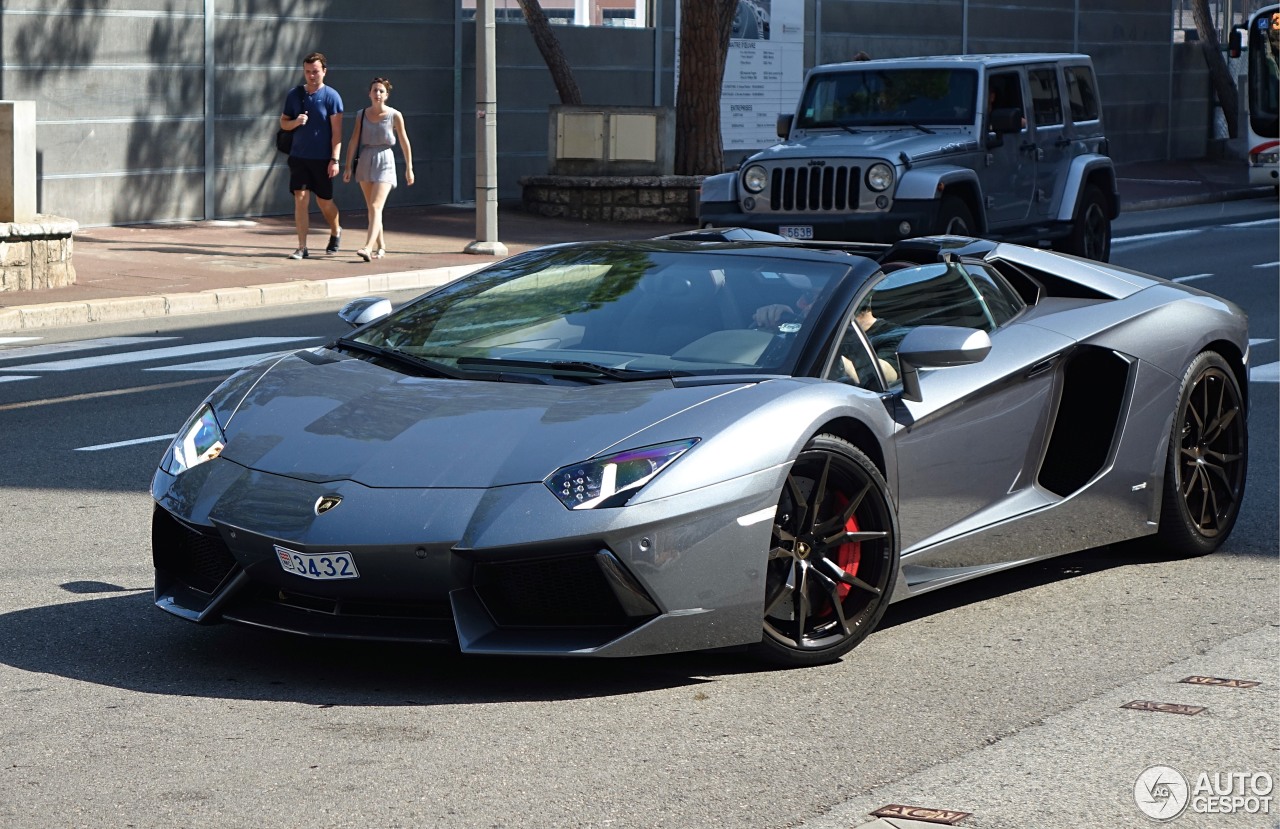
{"x":1235,"y":45}
{"x":784,"y":126}
{"x":938,"y":346}
{"x":358,"y":312}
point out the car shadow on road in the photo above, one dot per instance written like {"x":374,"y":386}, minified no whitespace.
{"x":118,"y":639}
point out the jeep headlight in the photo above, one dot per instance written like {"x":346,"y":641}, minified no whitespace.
{"x":755,"y":178}
{"x":879,"y":177}
{"x":199,"y":440}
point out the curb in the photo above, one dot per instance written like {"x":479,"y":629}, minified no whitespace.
{"x":1257,"y":192}
{"x":119,"y":309}
{"x":122,"y":309}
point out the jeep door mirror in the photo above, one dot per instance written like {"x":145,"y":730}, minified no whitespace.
{"x":1002,"y":122}
{"x":784,"y":126}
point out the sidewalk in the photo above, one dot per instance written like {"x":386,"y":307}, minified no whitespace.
{"x":140,"y":271}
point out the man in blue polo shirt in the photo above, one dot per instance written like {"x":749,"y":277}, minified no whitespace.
{"x":313,"y":113}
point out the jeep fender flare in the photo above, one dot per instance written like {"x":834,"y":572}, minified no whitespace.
{"x":1085,"y":170}
{"x":930,"y":183}
{"x":722,"y":187}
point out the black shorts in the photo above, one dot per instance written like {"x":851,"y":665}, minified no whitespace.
{"x":310,"y":174}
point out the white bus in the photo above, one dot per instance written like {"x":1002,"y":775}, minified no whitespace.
{"x":1262,"y":40}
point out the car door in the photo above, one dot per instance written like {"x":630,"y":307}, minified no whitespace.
{"x":967,"y":452}
{"x":1008,"y":169}
{"x":1049,"y":134}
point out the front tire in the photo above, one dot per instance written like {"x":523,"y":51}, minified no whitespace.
{"x":833,"y":558}
{"x":954,"y":218}
{"x":1204,"y":476}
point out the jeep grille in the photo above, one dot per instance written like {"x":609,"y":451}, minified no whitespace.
{"x":830,"y":187}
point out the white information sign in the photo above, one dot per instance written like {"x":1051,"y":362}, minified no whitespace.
{"x":764,"y":72}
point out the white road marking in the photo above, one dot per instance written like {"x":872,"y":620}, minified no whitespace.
{"x":1143,"y":237}
{"x":118,"y":444}
{"x":7,"y":340}
{"x":12,"y":377}
{"x":149,"y":355}
{"x":1192,"y":277}
{"x":28,"y":351}
{"x":1270,"y":373}
{"x":1257,"y":223}
{"x":226,"y":364}
{"x":1260,"y":341}
{"x":1268,"y":265}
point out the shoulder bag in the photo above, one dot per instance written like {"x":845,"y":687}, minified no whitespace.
{"x":284,"y":137}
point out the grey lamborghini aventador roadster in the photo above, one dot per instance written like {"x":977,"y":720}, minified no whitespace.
{"x":711,"y":439}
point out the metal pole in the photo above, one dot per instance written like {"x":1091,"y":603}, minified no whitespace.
{"x":486,"y":135}
{"x":210,"y":93}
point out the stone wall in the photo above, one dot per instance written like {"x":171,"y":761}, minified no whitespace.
{"x":36,"y":254}
{"x":613,"y":198}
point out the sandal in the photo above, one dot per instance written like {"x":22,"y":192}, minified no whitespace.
{"x":379,"y":253}
{"x":363,"y":253}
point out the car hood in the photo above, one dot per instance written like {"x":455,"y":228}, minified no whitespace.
{"x":313,"y":417}
{"x":878,"y":142}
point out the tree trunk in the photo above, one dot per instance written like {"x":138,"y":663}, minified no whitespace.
{"x":1224,"y":86}
{"x":549,"y":46}
{"x":704,"y":45}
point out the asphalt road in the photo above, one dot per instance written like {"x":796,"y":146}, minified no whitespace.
{"x":1001,"y":698}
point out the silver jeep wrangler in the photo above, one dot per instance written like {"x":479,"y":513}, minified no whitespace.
{"x":1008,"y":147}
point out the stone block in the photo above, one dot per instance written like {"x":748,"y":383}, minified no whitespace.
{"x":231,"y":298}
{"x":14,"y":253}
{"x":54,"y":315}
{"x":197,"y":303}
{"x":126,"y":308}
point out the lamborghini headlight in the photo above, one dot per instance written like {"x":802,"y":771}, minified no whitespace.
{"x":612,"y":480}
{"x":199,"y":440}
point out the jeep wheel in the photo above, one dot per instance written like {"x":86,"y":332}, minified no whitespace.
{"x":954,"y":218}
{"x":1090,"y":235}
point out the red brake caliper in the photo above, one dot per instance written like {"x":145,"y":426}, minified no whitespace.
{"x":848,"y":554}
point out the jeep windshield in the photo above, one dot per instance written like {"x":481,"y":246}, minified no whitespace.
{"x":889,"y":97}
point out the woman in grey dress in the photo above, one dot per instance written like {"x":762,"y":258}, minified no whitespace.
{"x":378,"y":129}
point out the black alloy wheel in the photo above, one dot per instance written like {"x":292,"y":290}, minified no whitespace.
{"x":1208,"y":454}
{"x":833,"y":557}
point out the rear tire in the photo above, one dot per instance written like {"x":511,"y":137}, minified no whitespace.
{"x":833,"y":557}
{"x":1204,"y":477}
{"x":1090,"y":235}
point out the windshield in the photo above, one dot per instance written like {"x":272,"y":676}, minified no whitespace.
{"x":889,"y":97}
{"x":613,"y":310}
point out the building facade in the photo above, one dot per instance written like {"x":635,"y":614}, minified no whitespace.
{"x":165,"y":110}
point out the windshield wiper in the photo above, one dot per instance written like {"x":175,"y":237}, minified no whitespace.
{"x":820,"y":125}
{"x":420,"y":365}
{"x":565,"y":367}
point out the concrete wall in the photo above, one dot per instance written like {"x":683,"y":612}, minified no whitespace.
{"x":139,"y":122}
